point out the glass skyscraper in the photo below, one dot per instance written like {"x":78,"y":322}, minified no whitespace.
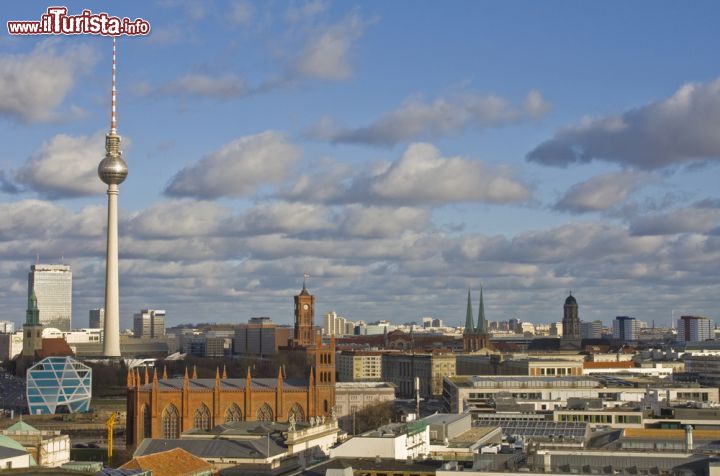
{"x":58,"y":385}
{"x":52,"y":284}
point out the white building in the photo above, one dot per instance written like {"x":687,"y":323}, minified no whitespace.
{"x":77,"y":336}
{"x":52,"y":284}
{"x":695,"y":329}
{"x":47,"y":447}
{"x":400,"y":441}
{"x":7,"y":327}
{"x":379,"y":327}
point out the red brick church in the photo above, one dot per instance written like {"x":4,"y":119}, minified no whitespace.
{"x":161,"y":407}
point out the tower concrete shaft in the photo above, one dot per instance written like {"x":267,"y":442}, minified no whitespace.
{"x":112,"y":171}
{"x":111,"y":332}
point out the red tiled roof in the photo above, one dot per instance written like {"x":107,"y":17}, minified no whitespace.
{"x":175,"y":462}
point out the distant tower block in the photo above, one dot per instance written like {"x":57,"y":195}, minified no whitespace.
{"x":112,"y":170}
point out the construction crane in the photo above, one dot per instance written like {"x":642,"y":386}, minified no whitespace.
{"x":110,"y":425}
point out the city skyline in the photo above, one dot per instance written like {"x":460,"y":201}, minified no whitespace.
{"x":396,"y":159}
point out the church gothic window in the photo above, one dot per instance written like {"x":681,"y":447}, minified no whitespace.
{"x":265,"y":413}
{"x":297,"y":412}
{"x":202,"y":417}
{"x":171,"y":422}
{"x":233,"y":413}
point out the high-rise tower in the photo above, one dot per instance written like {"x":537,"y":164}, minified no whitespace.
{"x":112,"y":170}
{"x":52,"y":286}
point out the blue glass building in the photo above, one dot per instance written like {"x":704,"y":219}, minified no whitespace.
{"x":59,"y":385}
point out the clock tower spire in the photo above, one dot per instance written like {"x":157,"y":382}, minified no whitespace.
{"x":304,"y":334}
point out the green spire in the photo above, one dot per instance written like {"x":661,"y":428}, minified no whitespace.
{"x":482,"y":323}
{"x":32,"y":315}
{"x":469,"y":325}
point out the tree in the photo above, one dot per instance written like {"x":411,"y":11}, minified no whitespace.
{"x":373,"y":416}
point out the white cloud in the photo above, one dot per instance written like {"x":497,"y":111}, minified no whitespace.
{"x":423,"y":175}
{"x":418,"y":119}
{"x":65,"y":166}
{"x":602,"y":193}
{"x":34,"y":85}
{"x":679,"y":129}
{"x":238,"y":168}
{"x":694,"y":219}
{"x":382,"y":222}
{"x":326,"y":54}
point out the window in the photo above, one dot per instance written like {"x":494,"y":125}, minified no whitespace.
{"x":171,"y":422}
{"x":265,"y":413}
{"x":202,"y":417}
{"x":326,"y":407}
{"x":297,"y":412}
{"x":233,"y":413}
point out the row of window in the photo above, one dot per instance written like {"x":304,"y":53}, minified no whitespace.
{"x":202,"y":419}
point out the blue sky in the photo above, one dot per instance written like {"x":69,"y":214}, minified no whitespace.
{"x":399,"y":152}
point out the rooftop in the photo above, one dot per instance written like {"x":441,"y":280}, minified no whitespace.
{"x":170,"y":462}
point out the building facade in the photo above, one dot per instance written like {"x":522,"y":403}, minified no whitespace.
{"x":591,"y":329}
{"x":96,"y":318}
{"x":257,"y":337}
{"x":400,"y":369}
{"x":58,"y":385}
{"x":695,"y":329}
{"x":165,"y":407}
{"x":359,"y":366}
{"x":52,"y":284}
{"x":625,"y":329}
{"x":149,"y":323}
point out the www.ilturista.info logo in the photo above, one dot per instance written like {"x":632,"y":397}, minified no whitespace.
{"x":56,"y":21}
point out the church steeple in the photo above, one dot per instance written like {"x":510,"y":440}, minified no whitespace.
{"x":469,"y":322}
{"x":32,"y":315}
{"x":482,"y":323}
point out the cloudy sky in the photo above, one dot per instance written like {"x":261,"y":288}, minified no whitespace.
{"x":398,"y":152}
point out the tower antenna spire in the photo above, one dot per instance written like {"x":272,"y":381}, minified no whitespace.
{"x":113,"y":114}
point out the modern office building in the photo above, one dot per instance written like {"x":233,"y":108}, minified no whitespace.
{"x":626,"y":329}
{"x":695,"y":329}
{"x":96,"y":319}
{"x":149,"y":323}
{"x":52,"y":284}
{"x":258,"y":337}
{"x":591,"y":329}
{"x":7,"y":327}
{"x":58,"y":385}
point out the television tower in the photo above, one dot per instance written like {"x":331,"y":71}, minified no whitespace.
{"x":112,"y":170}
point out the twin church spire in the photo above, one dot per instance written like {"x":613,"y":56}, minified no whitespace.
{"x":470,"y":327}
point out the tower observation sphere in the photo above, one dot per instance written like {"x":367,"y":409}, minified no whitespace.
{"x":112,"y":169}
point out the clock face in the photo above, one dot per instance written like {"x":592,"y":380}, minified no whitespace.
{"x":306,"y":307}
